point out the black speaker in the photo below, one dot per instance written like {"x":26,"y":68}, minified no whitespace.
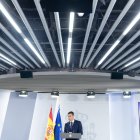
{"x":26,"y":74}
{"x":83,"y":6}
{"x":116,"y":75}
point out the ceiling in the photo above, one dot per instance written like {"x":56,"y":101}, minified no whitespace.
{"x":93,"y":35}
{"x":71,"y":82}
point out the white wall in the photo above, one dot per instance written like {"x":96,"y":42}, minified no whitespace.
{"x":18,"y":117}
{"x":93,"y":113}
{"x":4,"y":99}
{"x":123,"y":117}
{"x":136,"y":117}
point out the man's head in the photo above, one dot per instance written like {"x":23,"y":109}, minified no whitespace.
{"x":70,"y":116}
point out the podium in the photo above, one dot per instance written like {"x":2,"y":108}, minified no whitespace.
{"x":71,"y":135}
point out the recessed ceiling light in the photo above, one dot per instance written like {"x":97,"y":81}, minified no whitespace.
{"x":90,"y":94}
{"x":23,"y":93}
{"x":126,"y":94}
{"x":55,"y":94}
{"x":80,"y":14}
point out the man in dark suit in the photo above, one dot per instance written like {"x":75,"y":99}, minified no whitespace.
{"x":73,"y":126}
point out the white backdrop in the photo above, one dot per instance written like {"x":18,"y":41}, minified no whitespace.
{"x":97,"y":115}
{"x":94,"y":115}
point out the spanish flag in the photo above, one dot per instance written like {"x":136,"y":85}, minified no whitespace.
{"x":50,"y":127}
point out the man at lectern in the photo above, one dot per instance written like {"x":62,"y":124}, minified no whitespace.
{"x":73,"y":126}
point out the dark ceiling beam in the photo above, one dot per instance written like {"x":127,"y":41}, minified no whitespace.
{"x":75,"y":29}
{"x":80,"y":43}
{"x":97,"y":10}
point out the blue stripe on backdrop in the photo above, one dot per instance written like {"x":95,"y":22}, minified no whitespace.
{"x":18,"y":118}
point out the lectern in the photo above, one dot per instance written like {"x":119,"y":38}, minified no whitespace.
{"x":71,"y":135}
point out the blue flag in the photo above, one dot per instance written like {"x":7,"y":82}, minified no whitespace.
{"x":58,"y":126}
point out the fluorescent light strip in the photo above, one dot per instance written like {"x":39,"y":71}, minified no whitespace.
{"x":10,"y":19}
{"x":91,"y":96}
{"x":134,"y":21}
{"x":132,"y":62}
{"x":69,"y":49}
{"x":54,"y":96}
{"x":8,"y":59}
{"x":24,"y":96}
{"x":7,"y":15}
{"x":126,"y":96}
{"x":130,"y":26}
{"x":109,"y":51}
{"x":34,"y":50}
{"x":71,"y":22}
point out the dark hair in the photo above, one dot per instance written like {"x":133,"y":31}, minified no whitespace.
{"x":71,"y":112}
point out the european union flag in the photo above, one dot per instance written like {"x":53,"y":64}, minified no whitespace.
{"x":58,"y":126}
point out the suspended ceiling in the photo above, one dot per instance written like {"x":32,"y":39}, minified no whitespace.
{"x":93,"y":35}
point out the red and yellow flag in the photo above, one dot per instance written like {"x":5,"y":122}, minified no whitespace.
{"x":50,"y":127}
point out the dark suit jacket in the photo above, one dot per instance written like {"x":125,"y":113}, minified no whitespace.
{"x":76,"y":128}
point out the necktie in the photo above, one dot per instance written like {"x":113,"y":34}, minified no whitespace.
{"x":71,"y":124}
